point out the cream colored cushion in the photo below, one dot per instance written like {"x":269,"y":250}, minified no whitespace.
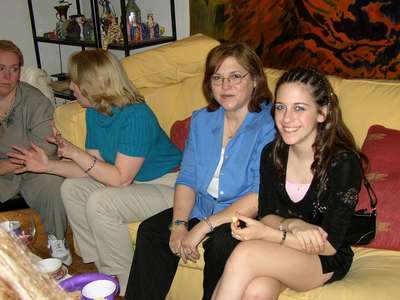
{"x":39,"y":79}
{"x":368,"y":102}
{"x":374,"y":274}
{"x":70,"y":120}
{"x":169,"y":64}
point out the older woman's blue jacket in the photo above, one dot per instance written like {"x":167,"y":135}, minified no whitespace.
{"x":240,"y":171}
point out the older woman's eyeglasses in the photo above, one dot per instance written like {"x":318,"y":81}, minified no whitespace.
{"x":233,"y":79}
{"x":11,"y":70}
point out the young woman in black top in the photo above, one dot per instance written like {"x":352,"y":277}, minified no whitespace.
{"x":310,"y":177}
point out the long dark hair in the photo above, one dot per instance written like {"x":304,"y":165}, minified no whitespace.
{"x":332,"y":134}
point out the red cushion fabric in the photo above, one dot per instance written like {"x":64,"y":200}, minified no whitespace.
{"x":382,"y":146}
{"x":180,"y":132}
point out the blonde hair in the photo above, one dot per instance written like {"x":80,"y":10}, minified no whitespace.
{"x":19,"y":278}
{"x":102,"y":80}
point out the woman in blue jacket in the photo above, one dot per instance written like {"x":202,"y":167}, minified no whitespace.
{"x":219,"y":176}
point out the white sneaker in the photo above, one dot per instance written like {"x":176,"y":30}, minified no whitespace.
{"x":59,"y":249}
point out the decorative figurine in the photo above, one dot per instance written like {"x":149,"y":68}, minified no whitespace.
{"x":134,"y":28}
{"x":88,"y":30}
{"x":114,"y":34}
{"x":73,"y":30}
{"x":108,"y":15}
{"x":62,"y":9}
{"x":153,"y":30}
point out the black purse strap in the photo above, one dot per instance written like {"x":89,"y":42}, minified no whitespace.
{"x":373,"y":200}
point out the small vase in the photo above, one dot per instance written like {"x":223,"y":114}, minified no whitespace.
{"x":131,"y":6}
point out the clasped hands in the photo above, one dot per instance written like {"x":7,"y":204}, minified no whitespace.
{"x":184,"y":243}
{"x":311,"y":238}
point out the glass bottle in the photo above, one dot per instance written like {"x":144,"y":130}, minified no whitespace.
{"x":131,"y":6}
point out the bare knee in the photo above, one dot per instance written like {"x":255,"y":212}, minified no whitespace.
{"x":238,"y":260}
{"x":262,"y":289}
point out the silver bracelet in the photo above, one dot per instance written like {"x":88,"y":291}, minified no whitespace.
{"x":281,"y":227}
{"x":92,"y":165}
{"x":207,"y":220}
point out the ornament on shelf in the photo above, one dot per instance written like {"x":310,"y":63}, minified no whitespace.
{"x":131,"y":6}
{"x":113,"y":35}
{"x":135,"y":28}
{"x":73,"y":30}
{"x":62,"y":23}
{"x":152,"y":28}
{"x":108,"y":15}
{"x":88,"y":30}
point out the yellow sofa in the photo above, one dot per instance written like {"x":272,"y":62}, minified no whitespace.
{"x":170,"y":79}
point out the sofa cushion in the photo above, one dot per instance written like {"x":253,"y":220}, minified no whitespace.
{"x":382,"y":146}
{"x":70,"y":120}
{"x":170,"y":63}
{"x":39,"y":79}
{"x":373,"y":275}
{"x":368,"y":102}
{"x":182,"y":98}
{"x":180,"y":132}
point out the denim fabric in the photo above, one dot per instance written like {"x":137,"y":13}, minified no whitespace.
{"x":240,"y":170}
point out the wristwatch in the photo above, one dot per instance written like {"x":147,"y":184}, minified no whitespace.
{"x":178,"y":223}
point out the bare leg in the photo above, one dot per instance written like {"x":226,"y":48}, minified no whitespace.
{"x":256,"y":259}
{"x":264,"y":288}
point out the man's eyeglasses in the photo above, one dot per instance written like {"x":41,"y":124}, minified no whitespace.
{"x":233,"y":79}
{"x":11,"y":70}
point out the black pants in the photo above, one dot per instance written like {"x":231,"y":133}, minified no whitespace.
{"x":154,"y":265}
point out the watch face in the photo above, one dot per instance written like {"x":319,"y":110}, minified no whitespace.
{"x":177,"y":223}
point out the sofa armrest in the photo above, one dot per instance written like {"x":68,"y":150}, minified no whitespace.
{"x":70,"y":120}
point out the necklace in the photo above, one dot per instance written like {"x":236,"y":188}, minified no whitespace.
{"x":4,"y":115}
{"x":231,"y":132}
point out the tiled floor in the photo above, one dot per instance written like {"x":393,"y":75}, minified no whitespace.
{"x":39,"y":246}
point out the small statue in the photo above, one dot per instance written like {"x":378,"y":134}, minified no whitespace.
{"x":107,"y":14}
{"x":153,"y":30}
{"x":134,"y":28}
{"x":114,"y":34}
{"x":88,"y":30}
{"x":73,"y":30}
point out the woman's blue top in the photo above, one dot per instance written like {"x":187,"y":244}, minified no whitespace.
{"x":240,"y":170}
{"x":133,"y":131}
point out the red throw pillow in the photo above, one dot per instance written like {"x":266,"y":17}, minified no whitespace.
{"x":382,"y":146}
{"x":180,"y":132}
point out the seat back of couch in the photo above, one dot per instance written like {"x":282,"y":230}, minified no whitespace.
{"x":170,"y":79}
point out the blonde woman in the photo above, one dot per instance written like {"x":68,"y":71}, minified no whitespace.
{"x":126,"y":173}
{"x":19,"y":278}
